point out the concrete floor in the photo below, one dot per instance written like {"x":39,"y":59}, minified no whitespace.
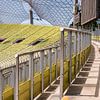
{"x":86,"y":86}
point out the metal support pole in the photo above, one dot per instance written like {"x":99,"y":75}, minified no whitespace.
{"x":13,"y":77}
{"x":90,"y":39}
{"x":56,"y":59}
{"x":20,"y":73}
{"x":31,"y":73}
{"x":17,"y":79}
{"x":62,"y":63}
{"x":50,"y":63}
{"x":31,"y":16}
{"x":1,"y":85}
{"x":31,"y":13}
{"x":87,"y":38}
{"x":64,"y":51}
{"x":79,"y":48}
{"x":78,"y":43}
{"x":85,"y":41}
{"x":42,"y":68}
{"x":24,"y":72}
{"x":70,"y":55}
{"x":82,"y":42}
{"x":76,"y":52}
{"x":84,"y":46}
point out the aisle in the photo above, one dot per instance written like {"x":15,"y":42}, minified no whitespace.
{"x":86,"y":86}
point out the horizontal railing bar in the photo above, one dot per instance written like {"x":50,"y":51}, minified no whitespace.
{"x":37,"y":51}
{"x":74,"y":30}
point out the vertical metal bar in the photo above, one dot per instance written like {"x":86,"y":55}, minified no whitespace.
{"x":84,"y":46}
{"x":42,"y":68}
{"x":1,"y":85}
{"x":78,"y":42}
{"x":79,"y":49}
{"x":20,"y":73}
{"x":13,"y":77}
{"x":76,"y":52}
{"x":90,"y":38}
{"x":85,"y":41}
{"x":24,"y":73}
{"x":82,"y":41}
{"x":64,"y":51}
{"x":31,"y":74}
{"x":17,"y":79}
{"x":62,"y":63}
{"x":14,"y":80}
{"x":31,"y":16}
{"x":70,"y":55}
{"x":50,"y":63}
{"x":56,"y":59}
{"x":31,"y":13}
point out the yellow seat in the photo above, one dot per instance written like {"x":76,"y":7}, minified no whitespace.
{"x":65,"y":98}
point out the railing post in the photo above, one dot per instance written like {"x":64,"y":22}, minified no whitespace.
{"x":42,"y":68}
{"x":13,"y":76}
{"x":81,"y":41}
{"x":76,"y":52}
{"x":56,"y":59}
{"x":80,"y":48}
{"x":24,"y":73}
{"x":87,"y":39}
{"x":70,"y":55}
{"x":84,"y":40}
{"x":1,"y":86}
{"x":31,"y":73}
{"x":50,"y":63}
{"x":17,"y":79}
{"x":90,"y":38}
{"x":64,"y":51}
{"x":61,"y":63}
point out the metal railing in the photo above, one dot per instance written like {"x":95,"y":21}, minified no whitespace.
{"x":82,"y":41}
{"x":77,"y":40}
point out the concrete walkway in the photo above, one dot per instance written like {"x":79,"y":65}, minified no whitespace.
{"x":52,"y":92}
{"x":86,"y":86}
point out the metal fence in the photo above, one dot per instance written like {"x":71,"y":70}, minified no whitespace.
{"x":29,"y":63}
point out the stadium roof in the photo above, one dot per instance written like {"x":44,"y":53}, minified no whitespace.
{"x":56,"y":12}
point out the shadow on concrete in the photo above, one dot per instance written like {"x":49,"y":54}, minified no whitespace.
{"x":57,"y":82}
{"x":79,"y":81}
{"x":51,"y":89}
{"x":74,"y":90}
{"x":44,"y":96}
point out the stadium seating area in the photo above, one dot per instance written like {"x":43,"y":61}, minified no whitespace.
{"x":17,"y":39}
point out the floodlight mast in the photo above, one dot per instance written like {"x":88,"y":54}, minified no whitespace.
{"x":31,"y":13}
{"x":74,"y":11}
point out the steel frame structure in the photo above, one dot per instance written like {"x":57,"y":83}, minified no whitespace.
{"x":56,"y":12}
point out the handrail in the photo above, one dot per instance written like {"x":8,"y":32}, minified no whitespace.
{"x":74,"y":30}
{"x":82,"y":40}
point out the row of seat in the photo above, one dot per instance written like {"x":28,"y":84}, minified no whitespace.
{"x":30,"y":33}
